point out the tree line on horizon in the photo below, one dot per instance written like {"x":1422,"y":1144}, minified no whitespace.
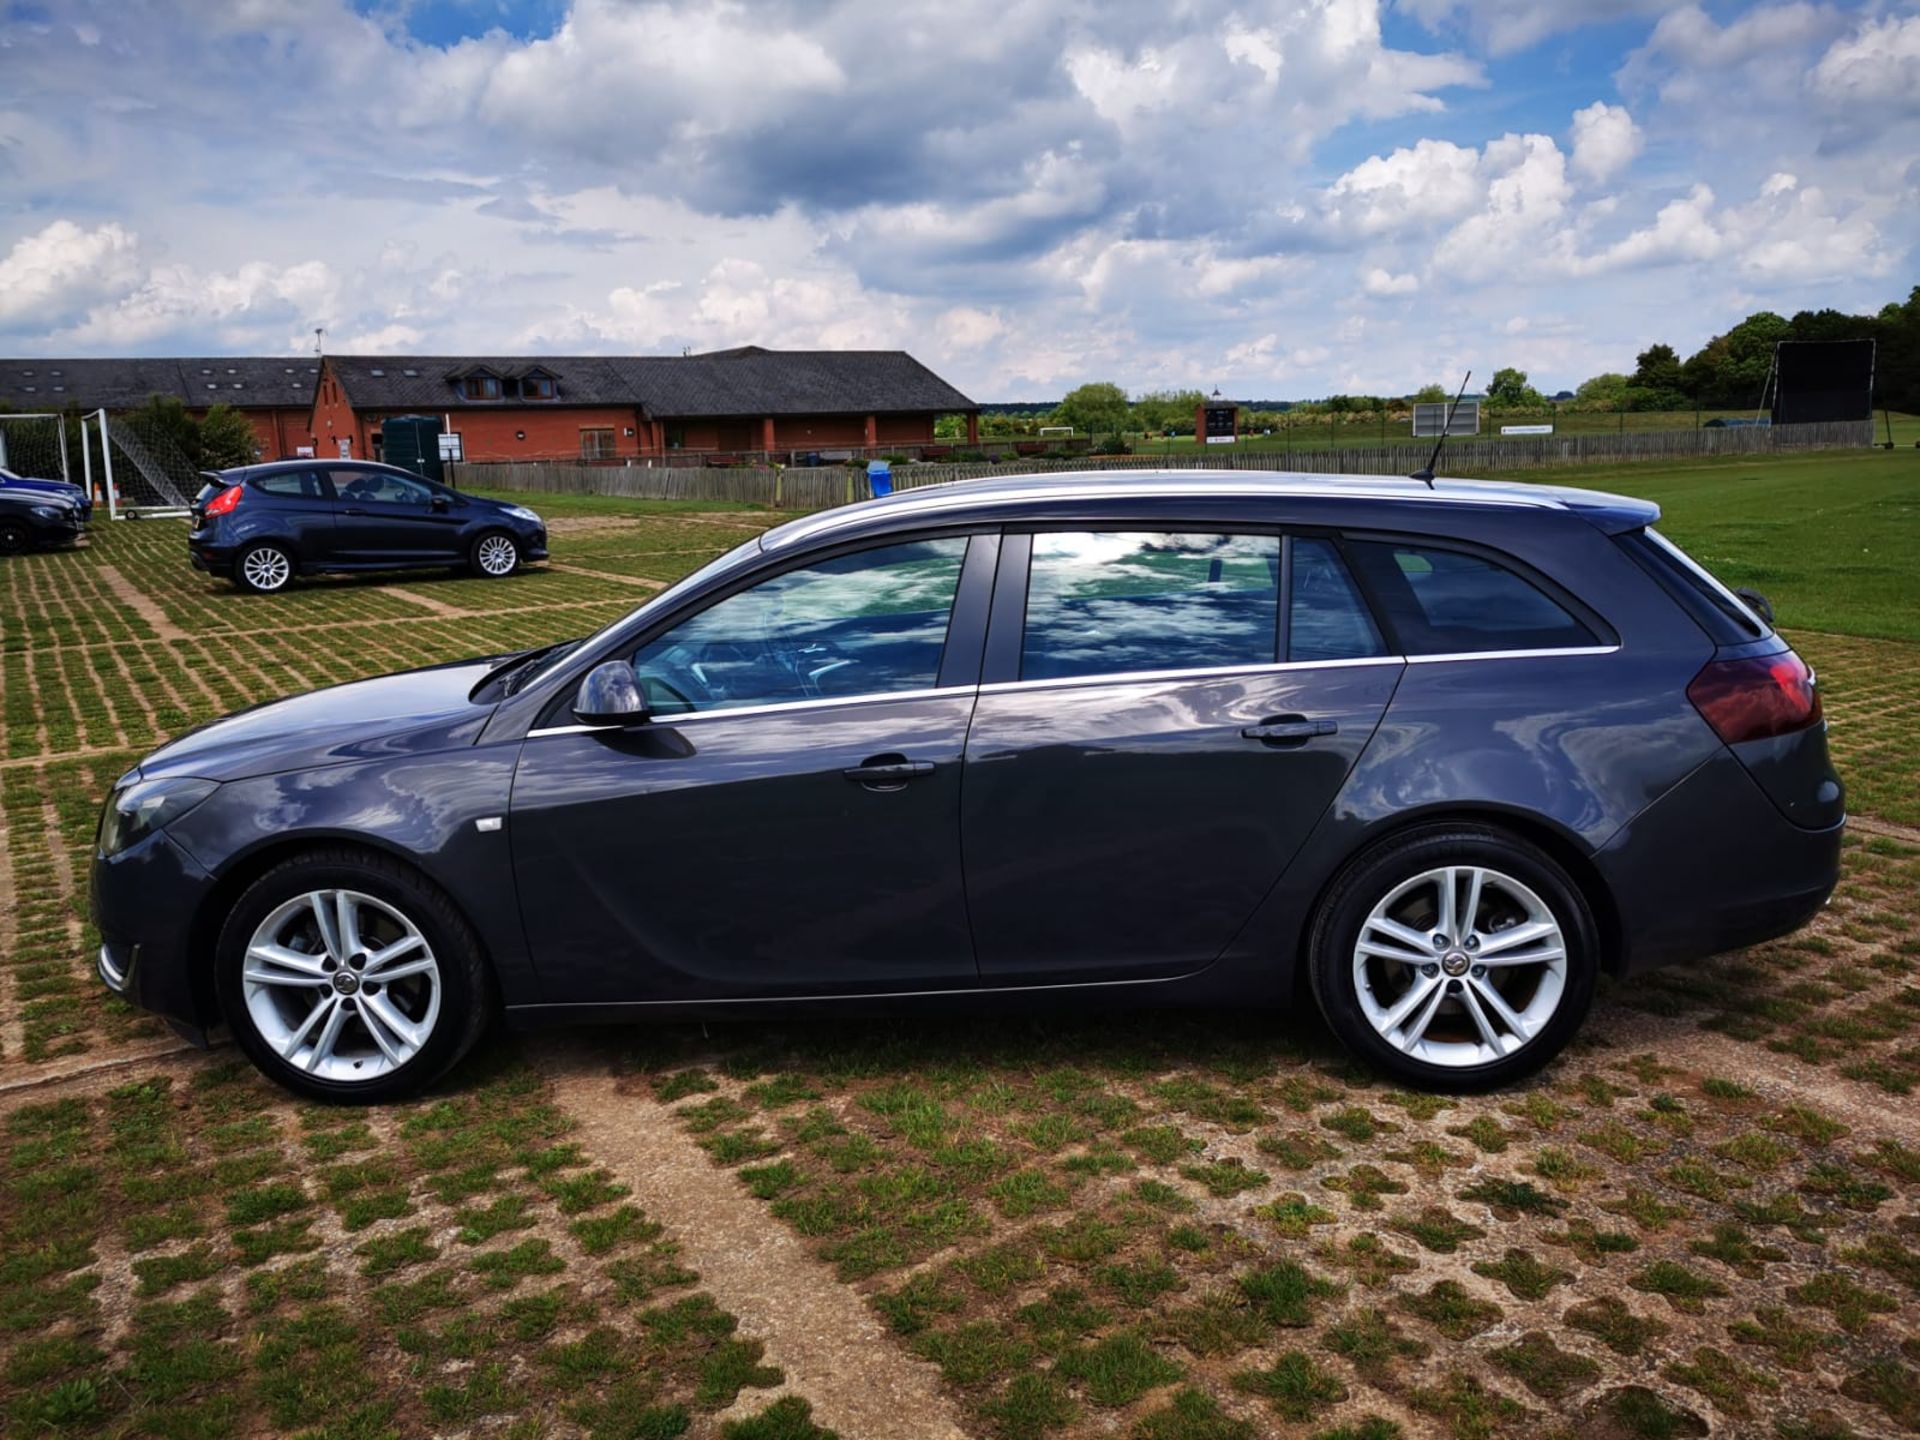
{"x":1729,"y":372}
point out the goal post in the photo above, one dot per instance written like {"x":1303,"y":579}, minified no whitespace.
{"x":33,"y":445}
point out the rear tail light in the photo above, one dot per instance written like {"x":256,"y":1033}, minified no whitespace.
{"x":225,"y":500}
{"x":1755,"y":698}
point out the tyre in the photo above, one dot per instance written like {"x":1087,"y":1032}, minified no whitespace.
{"x":263,"y":569}
{"x":1455,"y":957}
{"x":346,"y":976}
{"x":14,"y":539}
{"x":494,"y":555}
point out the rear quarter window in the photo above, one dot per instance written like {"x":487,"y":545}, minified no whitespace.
{"x":1722,"y":614}
{"x":1439,"y":601}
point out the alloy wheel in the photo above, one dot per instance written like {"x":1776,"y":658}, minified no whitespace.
{"x":1461,"y":965}
{"x":267,"y":568}
{"x":342,"y":985}
{"x":498,"y":555}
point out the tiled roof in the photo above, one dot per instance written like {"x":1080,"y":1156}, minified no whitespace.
{"x":247,"y":382}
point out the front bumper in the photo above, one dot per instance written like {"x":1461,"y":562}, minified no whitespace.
{"x":1714,"y":866}
{"x":144,"y":903}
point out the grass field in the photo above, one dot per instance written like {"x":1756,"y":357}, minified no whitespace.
{"x":1706,"y":1217}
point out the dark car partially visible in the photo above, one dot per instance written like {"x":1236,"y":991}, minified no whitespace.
{"x":15,"y":483}
{"x":263,"y":525}
{"x":37,"y":520}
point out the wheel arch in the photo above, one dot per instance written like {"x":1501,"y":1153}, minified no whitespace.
{"x":232,"y":882}
{"x":1559,"y":844}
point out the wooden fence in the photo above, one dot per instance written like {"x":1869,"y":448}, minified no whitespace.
{"x":827,"y":486}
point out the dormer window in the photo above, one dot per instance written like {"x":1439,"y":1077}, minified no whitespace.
{"x":481,"y":387}
{"x":537,"y":387}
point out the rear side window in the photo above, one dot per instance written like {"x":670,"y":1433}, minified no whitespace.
{"x":1326,"y":618}
{"x":1450,"y":602}
{"x":299,"y":484}
{"x":1718,"y":610}
{"x":1112,"y":603}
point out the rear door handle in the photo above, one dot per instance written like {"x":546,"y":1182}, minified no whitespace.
{"x":1289,"y":730}
{"x":888,"y":772}
{"x":351,"y":510}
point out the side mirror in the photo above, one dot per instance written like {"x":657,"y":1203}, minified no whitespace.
{"x":440,"y":503}
{"x":1756,"y":602}
{"x":610,"y":695}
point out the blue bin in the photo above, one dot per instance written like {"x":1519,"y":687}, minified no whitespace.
{"x":879,"y":478}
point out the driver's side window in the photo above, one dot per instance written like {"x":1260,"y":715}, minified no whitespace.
{"x":869,"y":623}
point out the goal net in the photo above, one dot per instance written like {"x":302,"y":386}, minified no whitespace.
{"x":36,"y":447}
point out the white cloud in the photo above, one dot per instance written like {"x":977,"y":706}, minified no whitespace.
{"x":1425,"y":184}
{"x":1683,"y":230}
{"x":1877,"y":65}
{"x":1605,"y":141}
{"x":1520,"y":229}
{"x":63,"y":269}
{"x":966,"y":328}
{"x":1383,"y":282}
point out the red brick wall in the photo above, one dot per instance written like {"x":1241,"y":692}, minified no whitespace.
{"x":819,"y":432}
{"x":906,"y":429}
{"x":334,"y":420}
{"x":550,"y":434}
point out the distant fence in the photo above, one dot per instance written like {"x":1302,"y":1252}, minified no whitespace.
{"x":824,"y":487}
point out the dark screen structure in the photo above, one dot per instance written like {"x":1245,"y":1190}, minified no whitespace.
{"x":1820,"y":381}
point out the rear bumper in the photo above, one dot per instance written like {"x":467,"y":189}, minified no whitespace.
{"x":1713,"y":866}
{"x":144,"y":901}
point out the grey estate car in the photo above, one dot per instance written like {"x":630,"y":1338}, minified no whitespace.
{"x":1437,"y":757}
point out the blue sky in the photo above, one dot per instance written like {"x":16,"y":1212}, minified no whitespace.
{"x":1276,"y":197}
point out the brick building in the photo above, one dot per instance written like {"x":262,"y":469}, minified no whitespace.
{"x":601,"y":408}
{"x":747,"y":401}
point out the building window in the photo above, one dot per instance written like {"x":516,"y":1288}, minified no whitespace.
{"x":480,"y":387}
{"x":537,"y":387}
{"x":676,"y":439}
{"x":596,"y":444}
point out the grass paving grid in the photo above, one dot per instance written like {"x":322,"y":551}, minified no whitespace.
{"x":1158,"y":1338}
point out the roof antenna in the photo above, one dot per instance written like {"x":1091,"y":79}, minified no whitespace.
{"x":1426,"y":471}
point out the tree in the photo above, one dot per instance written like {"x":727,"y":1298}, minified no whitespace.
{"x":1606,"y":391}
{"x":1658,"y":368}
{"x":226,"y":439}
{"x":1096,"y":408}
{"x":1158,"y":411}
{"x":1430,"y":395}
{"x":1510,"y":391}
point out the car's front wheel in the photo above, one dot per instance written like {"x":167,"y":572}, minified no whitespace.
{"x":1455,"y":957}
{"x":494,"y":555}
{"x":14,"y":539}
{"x":346,"y":976}
{"x":263,"y":569}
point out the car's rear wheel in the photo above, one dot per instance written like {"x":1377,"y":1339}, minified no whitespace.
{"x":495,"y":555}
{"x":263,"y":569}
{"x":1455,"y":957}
{"x":347,"y":976}
{"x":14,"y":539}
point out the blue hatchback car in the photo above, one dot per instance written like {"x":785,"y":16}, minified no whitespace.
{"x":1436,"y":758}
{"x":261,"y":525}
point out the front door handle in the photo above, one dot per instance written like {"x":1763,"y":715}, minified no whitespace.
{"x":888,"y":772}
{"x":1284,"y":730}
{"x":352,"y":510}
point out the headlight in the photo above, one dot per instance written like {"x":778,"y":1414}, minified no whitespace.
{"x":49,"y":512}
{"x":520,"y":512}
{"x":145,"y":806}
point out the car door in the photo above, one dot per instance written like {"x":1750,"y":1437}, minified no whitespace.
{"x":387,"y":517}
{"x":1163,"y":719}
{"x":788,"y":820}
{"x":303,"y":506}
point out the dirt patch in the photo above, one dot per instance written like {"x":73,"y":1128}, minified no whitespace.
{"x":129,"y":595}
{"x":818,"y":1331}
{"x":427,"y":602}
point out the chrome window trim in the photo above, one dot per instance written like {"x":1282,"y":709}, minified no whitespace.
{"x":1513,"y":654}
{"x":823,"y":703}
{"x":1129,"y":677}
